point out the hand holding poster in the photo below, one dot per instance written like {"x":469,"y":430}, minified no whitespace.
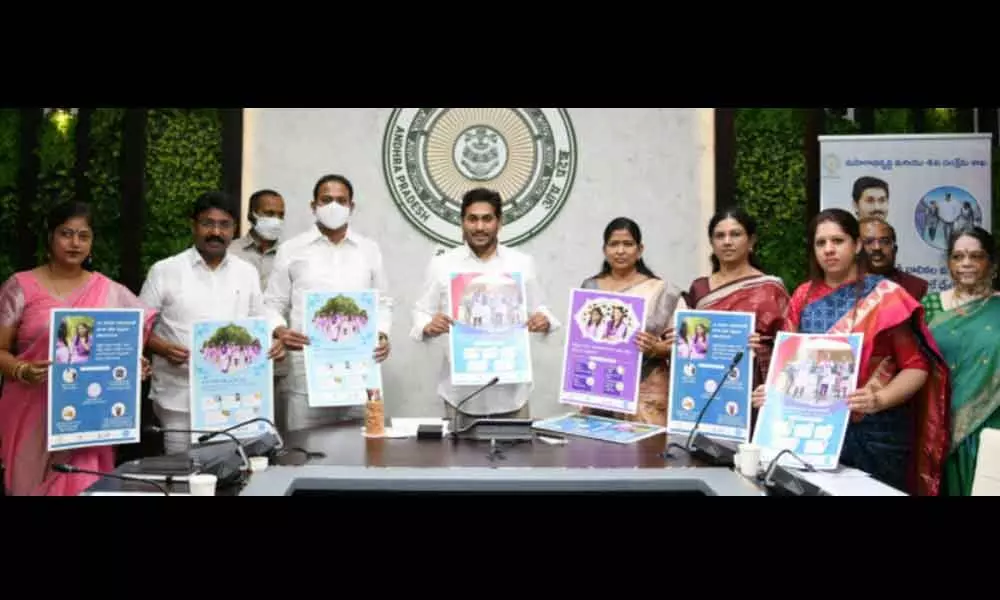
{"x":806,"y":411}
{"x":602,"y":365}
{"x":231,"y":376}
{"x":95,"y":379}
{"x":342,"y":328}
{"x":489,"y":333}
{"x":705,"y":345}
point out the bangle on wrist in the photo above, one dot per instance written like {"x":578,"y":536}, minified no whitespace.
{"x":18,"y":372}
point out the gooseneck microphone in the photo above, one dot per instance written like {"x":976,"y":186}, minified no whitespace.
{"x":239,"y":445}
{"x":697,"y":423}
{"x":70,"y":469}
{"x":274,"y":428}
{"x":492,"y":382}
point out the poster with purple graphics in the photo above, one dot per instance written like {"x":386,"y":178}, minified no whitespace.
{"x":602,"y":364}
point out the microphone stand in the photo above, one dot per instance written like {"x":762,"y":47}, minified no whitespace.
{"x":686,"y":447}
{"x":70,"y":469}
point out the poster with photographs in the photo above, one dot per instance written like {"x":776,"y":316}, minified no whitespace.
{"x":602,"y":365}
{"x":95,"y":379}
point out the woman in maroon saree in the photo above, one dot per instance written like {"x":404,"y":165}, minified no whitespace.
{"x":738,"y":283}
{"x":26,"y":301}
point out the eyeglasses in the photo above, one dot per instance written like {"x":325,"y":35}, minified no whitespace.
{"x":210,"y":224}
{"x":84,"y":235}
{"x":978,"y":256}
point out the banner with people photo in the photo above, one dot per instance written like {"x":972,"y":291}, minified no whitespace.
{"x":805,"y":411}
{"x":231,"y":376}
{"x":342,"y":328}
{"x":602,"y":365}
{"x":95,"y":379}
{"x":924,"y":185}
{"x":705,"y":346}
{"x":489,"y":334}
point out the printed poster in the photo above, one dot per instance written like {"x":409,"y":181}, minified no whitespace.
{"x":231,"y":376}
{"x":599,"y":428}
{"x":706,"y":344}
{"x":489,"y":334}
{"x":95,"y":380}
{"x":342,"y":328}
{"x":806,"y":411}
{"x":925,"y":185}
{"x":602,"y":365}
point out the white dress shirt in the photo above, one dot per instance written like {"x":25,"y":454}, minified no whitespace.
{"x":503,"y":398}
{"x":184,"y":290}
{"x":310,"y":262}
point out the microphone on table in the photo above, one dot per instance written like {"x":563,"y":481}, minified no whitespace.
{"x":464,"y":401}
{"x":70,"y":469}
{"x":274,"y":428}
{"x":263,"y":447}
{"x":239,"y":445}
{"x":779,"y":481}
{"x":704,"y":447}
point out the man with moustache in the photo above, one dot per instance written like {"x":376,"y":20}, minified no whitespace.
{"x":204,"y":282}
{"x":482,"y":213}
{"x":879,"y":241}
{"x":871,"y":198}
{"x":330,"y":257}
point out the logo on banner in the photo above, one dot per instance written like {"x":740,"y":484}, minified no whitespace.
{"x":432,"y":156}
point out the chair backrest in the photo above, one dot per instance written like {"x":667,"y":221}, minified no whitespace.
{"x":987,"y":478}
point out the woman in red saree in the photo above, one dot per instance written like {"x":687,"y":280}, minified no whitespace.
{"x":738,"y":283}
{"x":898,"y":430}
{"x":26,"y":300}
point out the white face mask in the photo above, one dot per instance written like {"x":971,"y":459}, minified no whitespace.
{"x":333,"y":215}
{"x":269,"y":228}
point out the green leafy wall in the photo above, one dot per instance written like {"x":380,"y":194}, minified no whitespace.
{"x":184,"y":159}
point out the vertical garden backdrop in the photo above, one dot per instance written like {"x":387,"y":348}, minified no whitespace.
{"x":183,"y":154}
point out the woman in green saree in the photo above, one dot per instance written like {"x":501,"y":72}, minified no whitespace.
{"x":965,"y":323}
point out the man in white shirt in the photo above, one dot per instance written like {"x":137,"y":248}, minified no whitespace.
{"x":201,"y":283}
{"x":330,"y":257}
{"x":482,"y":212}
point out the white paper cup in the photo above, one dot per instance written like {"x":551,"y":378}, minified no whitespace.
{"x":258,"y":463}
{"x":748,"y":460}
{"x":202,"y":484}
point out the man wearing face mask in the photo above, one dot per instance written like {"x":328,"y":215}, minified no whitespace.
{"x":330,"y":257}
{"x":879,"y":241}
{"x":204,"y":282}
{"x":258,"y":247}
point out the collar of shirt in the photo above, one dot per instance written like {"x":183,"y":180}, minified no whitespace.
{"x":198,"y":260}
{"x":248,"y":242}
{"x":319,"y":237}
{"x":497,"y":255}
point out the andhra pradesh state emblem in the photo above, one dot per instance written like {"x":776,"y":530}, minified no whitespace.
{"x":432,"y":156}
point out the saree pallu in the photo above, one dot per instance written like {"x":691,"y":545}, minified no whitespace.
{"x":967,"y":337}
{"x":904,"y":446}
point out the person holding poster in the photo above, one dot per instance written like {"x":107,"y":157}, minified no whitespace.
{"x":964,"y":322}
{"x":482,"y":214}
{"x":329,"y":258}
{"x":625,"y":272}
{"x":738,"y":284}
{"x":26,"y":301}
{"x":898,"y":431}
{"x":203,"y":283}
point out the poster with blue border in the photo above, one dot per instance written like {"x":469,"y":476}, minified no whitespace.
{"x":231,"y":376}
{"x":95,"y":379}
{"x":342,"y":328}
{"x":806,"y":410}
{"x":705,"y":345}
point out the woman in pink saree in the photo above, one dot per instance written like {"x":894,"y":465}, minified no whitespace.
{"x":26,"y":300}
